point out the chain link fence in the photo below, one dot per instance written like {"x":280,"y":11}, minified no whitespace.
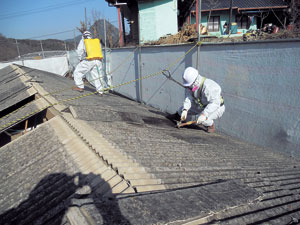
{"x":13,"y":49}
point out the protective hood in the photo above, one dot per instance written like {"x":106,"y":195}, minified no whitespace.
{"x":189,"y":76}
{"x":87,"y":35}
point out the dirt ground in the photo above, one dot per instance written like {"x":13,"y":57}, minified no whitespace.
{"x":189,"y":34}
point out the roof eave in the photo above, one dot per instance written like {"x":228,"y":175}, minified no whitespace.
{"x":241,"y":9}
{"x":267,"y":7}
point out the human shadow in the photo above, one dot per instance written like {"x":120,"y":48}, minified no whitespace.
{"x":57,"y":193}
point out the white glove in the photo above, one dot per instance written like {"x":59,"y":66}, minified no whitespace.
{"x":183,"y":115}
{"x":201,"y":119}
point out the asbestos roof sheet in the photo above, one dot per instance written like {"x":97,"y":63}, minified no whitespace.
{"x":153,"y":172}
{"x":12,"y":90}
{"x":16,"y":95}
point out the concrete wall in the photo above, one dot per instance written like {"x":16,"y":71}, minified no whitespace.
{"x":156,"y":19}
{"x":260,"y":83}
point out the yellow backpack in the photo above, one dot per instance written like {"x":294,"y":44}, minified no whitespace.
{"x":93,"y":49}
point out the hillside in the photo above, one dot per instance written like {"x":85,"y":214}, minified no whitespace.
{"x":9,"y":50}
{"x":97,"y":29}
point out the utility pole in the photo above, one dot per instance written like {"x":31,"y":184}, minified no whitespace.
{"x":74,"y":40}
{"x":199,"y":33}
{"x":104,"y":33}
{"x":230,"y":18}
{"x":42,"y":49}
{"x":139,"y":84}
{"x":18,"y":49}
{"x":85,"y":18}
{"x":105,"y":63}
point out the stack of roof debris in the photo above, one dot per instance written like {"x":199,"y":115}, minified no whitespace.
{"x":259,"y":35}
{"x":188,"y":34}
{"x":81,"y":159}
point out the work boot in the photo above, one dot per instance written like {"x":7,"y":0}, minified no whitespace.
{"x":75,"y":88}
{"x":211,"y":129}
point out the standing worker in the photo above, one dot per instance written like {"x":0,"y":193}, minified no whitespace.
{"x":203,"y":101}
{"x":88,"y":63}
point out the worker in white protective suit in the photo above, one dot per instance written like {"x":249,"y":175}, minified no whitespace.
{"x":93,"y":66}
{"x":203,"y":100}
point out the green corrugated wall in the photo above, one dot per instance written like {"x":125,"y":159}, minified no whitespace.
{"x":157,"y":19}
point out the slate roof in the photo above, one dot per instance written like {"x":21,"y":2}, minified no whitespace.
{"x":111,"y":160}
{"x":185,"y":6}
{"x":243,"y":4}
{"x":226,"y":3}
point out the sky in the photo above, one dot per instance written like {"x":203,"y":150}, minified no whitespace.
{"x":36,"y":19}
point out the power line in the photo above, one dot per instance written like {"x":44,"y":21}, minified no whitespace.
{"x":42,"y":9}
{"x":43,"y":35}
{"x":51,"y":34}
{"x":46,"y":35}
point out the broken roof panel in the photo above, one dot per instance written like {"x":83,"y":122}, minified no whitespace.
{"x":6,"y":72}
{"x":12,"y":91}
{"x":15,"y":93}
{"x":21,"y":114}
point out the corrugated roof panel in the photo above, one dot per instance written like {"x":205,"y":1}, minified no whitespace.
{"x":209,"y":177}
{"x":12,"y":89}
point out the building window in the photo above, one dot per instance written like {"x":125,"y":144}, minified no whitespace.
{"x":242,"y":22}
{"x":214,"y":24}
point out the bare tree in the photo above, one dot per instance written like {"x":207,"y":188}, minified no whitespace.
{"x":95,"y":25}
{"x":82,"y":27}
{"x":294,"y":13}
{"x":91,"y":24}
{"x":96,"y":17}
{"x":109,"y":31}
{"x":263,"y":16}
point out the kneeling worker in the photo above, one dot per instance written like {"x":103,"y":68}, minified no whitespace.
{"x":88,"y":64}
{"x":203,"y":101}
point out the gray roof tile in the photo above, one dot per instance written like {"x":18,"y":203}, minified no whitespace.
{"x":225,"y":4}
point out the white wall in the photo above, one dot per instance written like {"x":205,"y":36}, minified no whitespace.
{"x":58,"y":65}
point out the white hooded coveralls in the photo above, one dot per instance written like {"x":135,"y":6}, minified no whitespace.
{"x":210,"y":98}
{"x":85,"y":66}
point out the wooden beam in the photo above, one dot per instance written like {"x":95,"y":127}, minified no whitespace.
{"x":26,"y":125}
